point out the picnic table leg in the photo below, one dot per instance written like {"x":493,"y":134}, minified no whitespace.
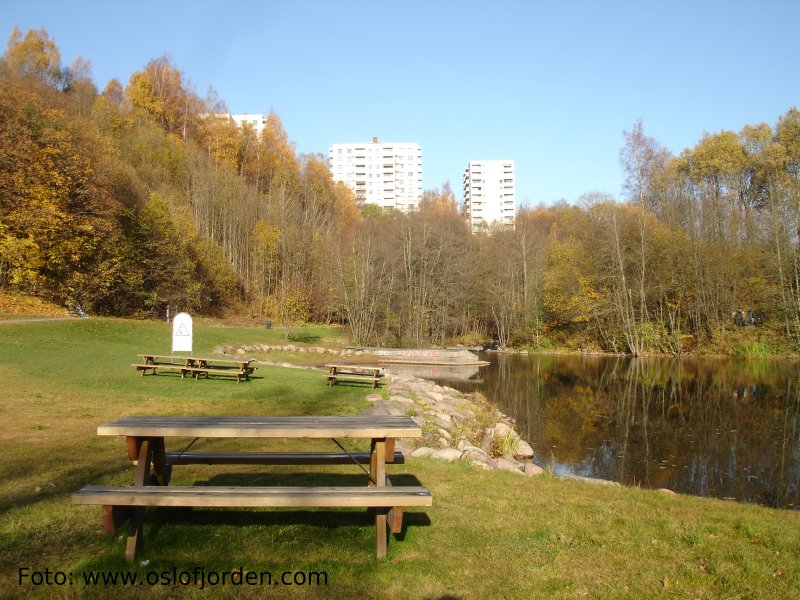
{"x":377,"y":472}
{"x":161,"y":470}
{"x":141,"y":477}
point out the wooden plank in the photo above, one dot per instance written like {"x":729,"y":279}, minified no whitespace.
{"x":394,"y":515}
{"x":254,"y":497}
{"x":391,"y":455}
{"x":159,"y":475}
{"x":359,"y":426}
{"x":184,"y":360}
{"x":381,"y":533}
{"x":141,"y":477}
{"x":155,"y":366}
{"x":133,"y":447}
{"x":271,"y":458}
{"x":354,"y":377}
{"x":114,"y":517}
{"x":337,"y":367}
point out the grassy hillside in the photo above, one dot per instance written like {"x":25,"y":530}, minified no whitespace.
{"x":488,"y":535}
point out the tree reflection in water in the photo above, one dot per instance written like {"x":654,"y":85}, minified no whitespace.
{"x":720,"y":428}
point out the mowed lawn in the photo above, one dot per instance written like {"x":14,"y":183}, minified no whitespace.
{"x":488,"y":535}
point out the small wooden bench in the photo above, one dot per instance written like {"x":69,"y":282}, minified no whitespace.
{"x":154,"y":366}
{"x":118,"y":501}
{"x":364,"y":373}
{"x":239,"y":373}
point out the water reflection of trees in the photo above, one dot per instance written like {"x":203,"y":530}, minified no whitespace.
{"x":713,"y":427}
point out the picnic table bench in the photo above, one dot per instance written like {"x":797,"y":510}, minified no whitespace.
{"x":153,"y":468}
{"x":196,"y":366}
{"x":366,"y":373}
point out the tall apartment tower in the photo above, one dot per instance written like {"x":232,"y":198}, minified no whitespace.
{"x":257,"y":121}
{"x":489,"y":193}
{"x":382,"y":173}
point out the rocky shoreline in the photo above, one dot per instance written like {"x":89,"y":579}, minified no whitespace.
{"x":455,"y":426}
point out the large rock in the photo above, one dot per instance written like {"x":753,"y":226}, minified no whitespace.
{"x":423,"y":451}
{"x":373,"y":398}
{"x":533,"y":470}
{"x":487,"y":439}
{"x":591,"y":480}
{"x":502,"y":430}
{"x":523,"y":450}
{"x":479,"y":458}
{"x":507,"y":465}
{"x":447,"y":454}
{"x":391,"y":408}
{"x":384,"y":408}
{"x":401,"y":400}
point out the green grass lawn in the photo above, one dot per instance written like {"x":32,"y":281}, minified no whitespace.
{"x":488,"y":535}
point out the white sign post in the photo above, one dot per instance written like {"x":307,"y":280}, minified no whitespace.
{"x":182,"y":333}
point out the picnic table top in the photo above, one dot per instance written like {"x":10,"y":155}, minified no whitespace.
{"x":354,"y":367}
{"x":359,"y":426}
{"x":238,"y":361}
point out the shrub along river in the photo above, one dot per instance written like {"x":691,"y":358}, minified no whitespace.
{"x":720,"y":428}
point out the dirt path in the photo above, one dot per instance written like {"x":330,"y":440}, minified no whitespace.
{"x":34,"y":319}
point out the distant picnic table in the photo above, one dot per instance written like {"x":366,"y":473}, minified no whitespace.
{"x":366,"y":373}
{"x":196,"y":366}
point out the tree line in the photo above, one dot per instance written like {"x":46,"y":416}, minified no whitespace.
{"x":137,"y":197}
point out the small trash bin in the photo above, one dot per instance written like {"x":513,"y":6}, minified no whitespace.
{"x":268,"y":325}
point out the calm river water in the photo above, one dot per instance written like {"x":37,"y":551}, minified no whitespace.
{"x":720,"y":428}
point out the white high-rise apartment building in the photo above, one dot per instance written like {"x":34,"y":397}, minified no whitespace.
{"x":489,"y":193}
{"x":257,"y":121}
{"x":388,"y":174}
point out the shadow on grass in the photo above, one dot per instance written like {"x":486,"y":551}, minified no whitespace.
{"x":309,"y":478}
{"x":65,"y":485}
{"x":322,"y":518}
{"x":305,"y":338}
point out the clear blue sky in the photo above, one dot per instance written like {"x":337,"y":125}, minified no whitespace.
{"x":551,"y":85}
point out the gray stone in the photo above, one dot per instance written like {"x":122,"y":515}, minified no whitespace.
{"x":487,"y":439}
{"x":447,"y":454}
{"x":507,"y":465}
{"x":423,"y":451}
{"x":533,"y":470}
{"x":436,"y":396}
{"x":591,"y":480}
{"x":523,"y":450}
{"x":444,"y":419}
{"x":401,"y":400}
{"x":391,"y":408}
{"x":373,"y":397}
{"x":502,"y":430}
{"x":475,"y":456}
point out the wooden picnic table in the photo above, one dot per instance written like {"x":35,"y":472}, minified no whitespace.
{"x":366,"y":373}
{"x":153,"y":464}
{"x":196,"y":366}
